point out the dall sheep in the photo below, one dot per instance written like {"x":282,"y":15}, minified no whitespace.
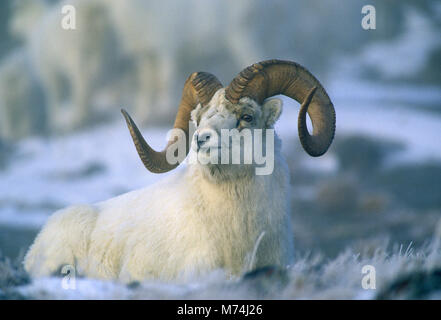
{"x":206,"y":216}
{"x":160,"y":36}
{"x":141,"y":45}
{"x":69,"y":64}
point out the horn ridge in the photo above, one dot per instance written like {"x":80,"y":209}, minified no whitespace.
{"x":272,"y":77}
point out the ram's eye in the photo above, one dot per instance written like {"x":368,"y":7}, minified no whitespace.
{"x":247,"y":118}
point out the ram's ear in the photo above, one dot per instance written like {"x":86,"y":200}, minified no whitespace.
{"x":272,"y":108}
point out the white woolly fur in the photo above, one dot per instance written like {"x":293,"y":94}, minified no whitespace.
{"x":191,"y":222}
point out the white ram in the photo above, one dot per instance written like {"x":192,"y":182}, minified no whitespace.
{"x":71,"y":65}
{"x":136,"y":44}
{"x":206,"y":216}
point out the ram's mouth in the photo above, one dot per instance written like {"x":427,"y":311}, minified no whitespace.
{"x":207,"y":152}
{"x":208,"y":149}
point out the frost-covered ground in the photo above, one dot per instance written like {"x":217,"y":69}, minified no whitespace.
{"x":403,"y":273}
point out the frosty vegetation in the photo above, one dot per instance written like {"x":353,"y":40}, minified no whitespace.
{"x":401,"y":273}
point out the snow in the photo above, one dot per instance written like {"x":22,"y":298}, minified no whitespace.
{"x":406,"y":54}
{"x":380,"y":111}
{"x":43,"y":174}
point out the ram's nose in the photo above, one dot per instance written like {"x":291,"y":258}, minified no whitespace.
{"x":203,"y":137}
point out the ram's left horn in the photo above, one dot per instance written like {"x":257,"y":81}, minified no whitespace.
{"x":199,"y":88}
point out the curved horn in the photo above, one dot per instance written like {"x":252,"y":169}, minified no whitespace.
{"x":268,"y":78}
{"x":199,"y":88}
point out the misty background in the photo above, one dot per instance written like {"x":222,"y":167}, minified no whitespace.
{"x":63,"y":140}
